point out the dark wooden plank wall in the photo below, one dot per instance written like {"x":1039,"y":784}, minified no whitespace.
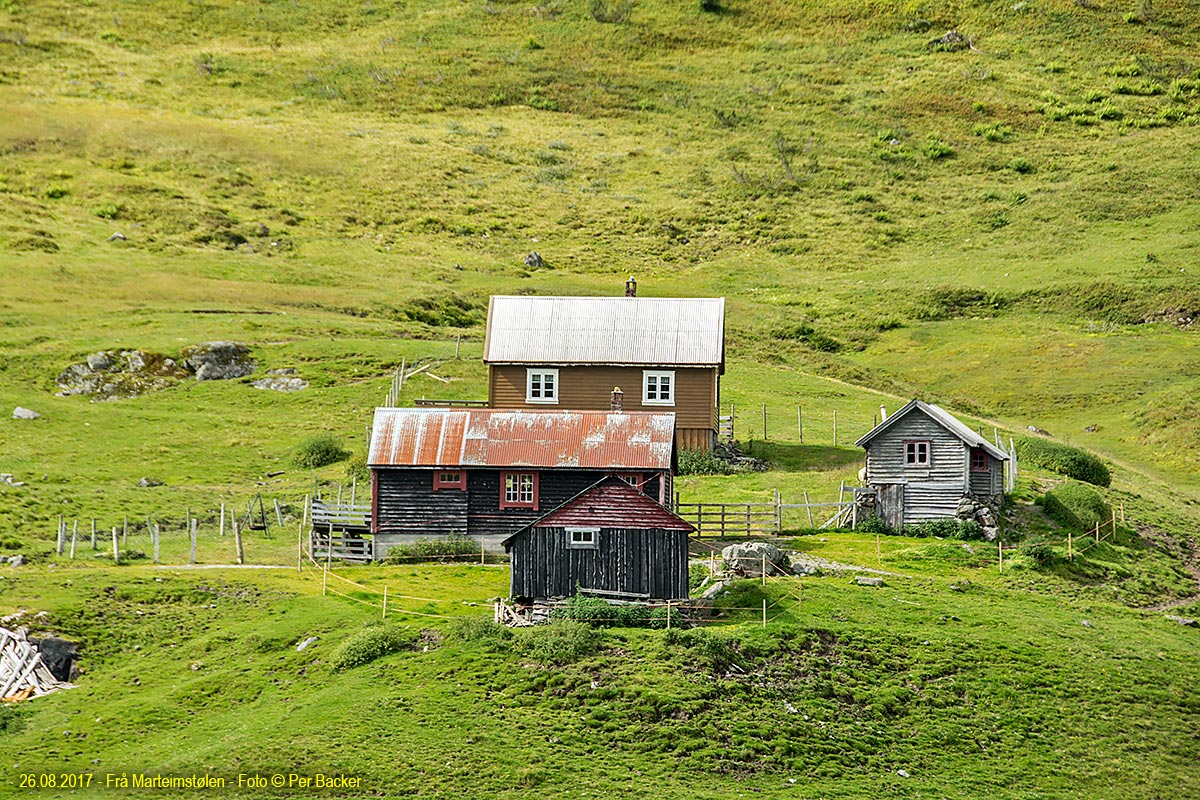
{"x":589,"y":388}
{"x":407,"y":502}
{"x":637,"y":564}
{"x":990,"y":482}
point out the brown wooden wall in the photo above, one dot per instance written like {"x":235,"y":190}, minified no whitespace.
{"x":589,"y":388}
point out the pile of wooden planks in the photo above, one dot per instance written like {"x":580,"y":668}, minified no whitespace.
{"x":23,"y":674}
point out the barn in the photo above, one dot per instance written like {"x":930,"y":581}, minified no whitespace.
{"x":486,"y":473}
{"x":922,"y":463}
{"x":611,"y":541}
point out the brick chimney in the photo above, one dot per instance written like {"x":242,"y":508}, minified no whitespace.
{"x":617,"y":403}
{"x":631,"y":287}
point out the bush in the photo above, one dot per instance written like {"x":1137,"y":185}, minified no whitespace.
{"x":966,"y":530}
{"x":374,"y":641}
{"x":1042,"y":555}
{"x":1076,"y":506}
{"x":107,"y":210}
{"x":480,"y":629}
{"x":703,"y":462}
{"x":454,"y":545}
{"x":1065,"y":460}
{"x":602,"y":614}
{"x":874,"y":525}
{"x":559,"y":643}
{"x":319,"y":450}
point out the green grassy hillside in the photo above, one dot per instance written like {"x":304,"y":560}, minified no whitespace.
{"x":1000,"y":222}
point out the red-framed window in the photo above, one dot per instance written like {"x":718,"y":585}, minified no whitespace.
{"x":519,"y":490}
{"x":979,"y":460}
{"x":916,"y":453}
{"x":449,"y":479}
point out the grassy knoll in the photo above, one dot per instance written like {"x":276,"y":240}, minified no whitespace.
{"x":997,"y":688}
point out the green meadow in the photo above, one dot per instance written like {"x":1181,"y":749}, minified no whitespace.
{"x":999,"y":221}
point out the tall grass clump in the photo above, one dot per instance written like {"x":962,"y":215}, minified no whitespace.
{"x":318,"y":451}
{"x":703,"y":462}
{"x":600,"y":613}
{"x":1065,"y":460}
{"x":559,"y":643}
{"x":1076,"y":506}
{"x":374,"y":641}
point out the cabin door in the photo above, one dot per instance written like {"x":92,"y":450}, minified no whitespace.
{"x":891,"y":504}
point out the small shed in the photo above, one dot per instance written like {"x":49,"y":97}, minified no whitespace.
{"x":610,"y":541}
{"x":922,"y":463}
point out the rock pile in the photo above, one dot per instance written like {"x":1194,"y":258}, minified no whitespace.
{"x":116,"y":374}
{"x":983,"y":512}
{"x":281,"y":380}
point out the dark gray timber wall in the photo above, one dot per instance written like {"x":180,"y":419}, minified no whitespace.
{"x":629,"y":563}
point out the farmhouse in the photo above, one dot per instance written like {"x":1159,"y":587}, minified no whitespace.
{"x":922,"y":463}
{"x":611,"y":541}
{"x":664,"y":354}
{"x":486,"y":472}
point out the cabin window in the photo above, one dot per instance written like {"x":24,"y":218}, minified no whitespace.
{"x":916,"y":454}
{"x":448,"y":479}
{"x":518,"y":490}
{"x":658,"y":388}
{"x":583,"y":538}
{"x":541,"y":385}
{"x":979,"y":460}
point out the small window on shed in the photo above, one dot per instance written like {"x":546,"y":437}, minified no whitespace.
{"x":979,"y":460}
{"x":916,"y":454}
{"x":447,"y":479}
{"x":583,"y":537}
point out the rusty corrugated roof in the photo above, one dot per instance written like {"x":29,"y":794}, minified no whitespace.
{"x":643,"y":331}
{"x":481,"y":437}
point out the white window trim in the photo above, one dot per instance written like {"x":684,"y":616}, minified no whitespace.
{"x":529,"y":398}
{"x":657,"y":373}
{"x":594,"y":536}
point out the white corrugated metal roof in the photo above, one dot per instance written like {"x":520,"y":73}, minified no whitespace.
{"x":650,"y":331}
{"x":943,"y":418}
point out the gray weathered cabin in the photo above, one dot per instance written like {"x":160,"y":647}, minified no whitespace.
{"x":922,"y":463}
{"x":610,"y":541}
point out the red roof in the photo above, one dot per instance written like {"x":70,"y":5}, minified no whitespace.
{"x":475,"y":437}
{"x":613,"y":503}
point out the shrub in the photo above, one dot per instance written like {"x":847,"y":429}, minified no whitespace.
{"x":703,"y":462}
{"x":874,"y":525}
{"x":1065,"y":460}
{"x":454,"y":545}
{"x":107,"y":210}
{"x":946,"y":529}
{"x":804,"y":332}
{"x":1042,"y":555}
{"x":318,"y":451}
{"x":558,"y":643}
{"x":1076,"y":506}
{"x":602,"y":614}
{"x":480,"y":629}
{"x":374,"y":641}
{"x":357,"y":467}
{"x":1020,"y":165}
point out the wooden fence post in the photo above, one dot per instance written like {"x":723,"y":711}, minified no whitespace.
{"x":778,"y":512}
{"x":74,"y":530}
{"x":237,"y":541}
{"x":125,"y":531}
{"x":300,"y":548}
{"x":385,"y":601}
{"x":835,"y":431}
{"x":353,"y":490}
{"x":1000,"y":550}
{"x":808,"y":507}
{"x":194,"y":531}
{"x":457,"y":344}
{"x":1122,"y":512}
{"x":222,"y":520}
{"x":764,"y":569}
{"x":1114,"y":523}
{"x":668,"y":615}
{"x":1070,"y":546}
{"x":155,"y":534}
{"x":61,"y":534}
{"x":324,"y":578}
{"x":278,"y":513}
{"x":1097,"y":531}
{"x":116,"y":551}
{"x":93,"y":534}
{"x":764,"y":612}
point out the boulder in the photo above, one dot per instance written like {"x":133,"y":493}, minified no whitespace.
{"x":862,"y":580}
{"x":147,"y":482}
{"x":24,"y":413}
{"x":278,"y":383}
{"x":16,"y":560}
{"x":219,"y":361}
{"x":748,"y":558}
{"x":304,"y":645}
{"x":534,"y":260}
{"x":98,"y":362}
{"x":1191,"y":623}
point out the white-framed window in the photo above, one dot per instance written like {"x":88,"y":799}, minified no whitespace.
{"x":916,"y":453}
{"x":541,"y":385}
{"x":583,"y":537}
{"x":658,"y":387}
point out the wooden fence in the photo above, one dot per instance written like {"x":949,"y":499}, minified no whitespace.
{"x":341,"y":516}
{"x":747,"y":519}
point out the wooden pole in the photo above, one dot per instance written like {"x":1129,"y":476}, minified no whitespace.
{"x":1000,"y":550}
{"x":353,"y":489}
{"x":329,"y":548}
{"x":194,"y":531}
{"x":222,"y":520}
{"x":1070,"y":546}
{"x":764,"y":569}
{"x":1097,"y":531}
{"x":457,"y":344}
{"x":800,"y":424}
{"x":482,"y":558}
{"x":155,"y":536}
{"x":278,"y":513}
{"x":385,"y":601}
{"x":668,"y":615}
{"x":300,"y":548}
{"x":340,"y":487}
{"x":237,"y":542}
{"x":1114,"y":522}
{"x":764,"y":612}
{"x":61,"y":533}
{"x":808,"y":507}
{"x":93,"y":534}
{"x":1122,"y":512}
{"x":712,"y":562}
{"x":187,"y":518}
{"x":324,"y":578}
{"x":835,"y":431}
{"x":74,"y":530}
{"x":116,"y":550}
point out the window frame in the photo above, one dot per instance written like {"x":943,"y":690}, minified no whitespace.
{"x":541,"y":372}
{"x":916,"y":451}
{"x":591,"y":543}
{"x":983,"y":454}
{"x":441,"y":484}
{"x":658,"y":375}
{"x":634,"y":479}
{"x":518,"y":503}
